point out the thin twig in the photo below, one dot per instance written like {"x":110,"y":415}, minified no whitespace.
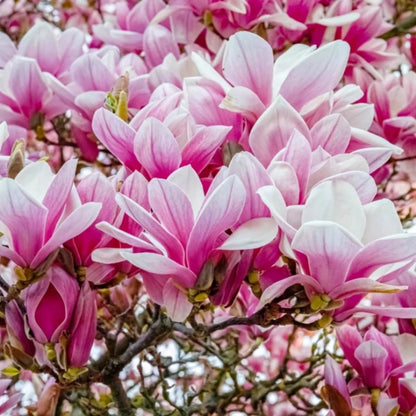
{"x":400,"y":29}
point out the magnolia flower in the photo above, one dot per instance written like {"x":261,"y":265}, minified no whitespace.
{"x":338,"y":244}
{"x":152,"y":147}
{"x":381,"y":365}
{"x":36,"y":217}
{"x":63,"y":47}
{"x":186,"y":229}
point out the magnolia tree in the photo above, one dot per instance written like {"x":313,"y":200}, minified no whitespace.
{"x":203,"y":207}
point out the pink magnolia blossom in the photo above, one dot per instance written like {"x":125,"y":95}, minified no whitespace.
{"x":186,"y":229}
{"x":26,"y":95}
{"x":153,"y":148}
{"x":338,"y":244}
{"x":279,"y":98}
{"x":379,"y":364}
{"x":139,"y":30}
{"x":36,"y":215}
{"x":63,"y":48}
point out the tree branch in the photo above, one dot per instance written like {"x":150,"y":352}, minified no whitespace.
{"x":120,"y":397}
{"x":157,"y":331}
{"x":400,"y":29}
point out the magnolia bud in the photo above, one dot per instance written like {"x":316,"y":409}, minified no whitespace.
{"x":83,"y":328}
{"x":50,"y":303}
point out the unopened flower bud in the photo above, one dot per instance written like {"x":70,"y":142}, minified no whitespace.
{"x":17,"y":159}
{"x":57,"y":292}
{"x":83,"y":328}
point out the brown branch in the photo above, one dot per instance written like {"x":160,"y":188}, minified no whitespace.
{"x":157,"y":331}
{"x":120,"y":397}
{"x":400,"y":29}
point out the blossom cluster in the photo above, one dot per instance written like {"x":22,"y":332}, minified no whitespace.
{"x":233,"y":165}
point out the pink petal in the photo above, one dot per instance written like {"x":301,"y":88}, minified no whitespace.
{"x":126,"y":238}
{"x":381,"y":220}
{"x":252,"y":234}
{"x":70,"y":43}
{"x":35,"y":179}
{"x":363,"y":138}
{"x":12,"y":255}
{"x":124,"y":39}
{"x":158,"y":42}
{"x":172,"y":207}
{"x":253,"y":176}
{"x":156,"y":148}
{"x":135,"y":187}
{"x":90,"y":101}
{"x":83,"y":328}
{"x":375,"y":156}
{"x":188,"y":180}
{"x":325,"y":68}
{"x":90,"y":73}
{"x":362,"y":286}
{"x":33,"y":44}
{"x":244,"y":101}
{"x":79,"y":219}
{"x":203,"y":98}
{"x":7,"y":48}
{"x":143,"y":13}
{"x":176,"y":302}
{"x":10,"y":403}
{"x":388,"y":311}
{"x":159,"y":264}
{"x":185,"y":26}
{"x":220,"y":212}
{"x":273,"y":199}
{"x":332,"y":133}
{"x":284,"y":174}
{"x":240,"y":64}
{"x":116,"y":135}
{"x":140,"y":215}
{"x":387,"y":343}
{"x":206,"y":70}
{"x":105,"y":256}
{"x":287,"y":61}
{"x":272,"y":130}
{"x":349,"y":339}
{"x":336,"y":201}
{"x":163,"y":101}
{"x":24,"y":217}
{"x":57,"y":291}
{"x":328,"y":249}
{"x":335,"y":378}
{"x":16,"y":330}
{"x":298,"y":153}
{"x":372,"y":358}
{"x":363,"y":183}
{"x":276,"y":289}
{"x":58,"y":193}
{"x":27,"y":85}
{"x":199,"y":151}
{"x":387,"y":250}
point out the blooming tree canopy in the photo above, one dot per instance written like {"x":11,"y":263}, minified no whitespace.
{"x":207,"y":207}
